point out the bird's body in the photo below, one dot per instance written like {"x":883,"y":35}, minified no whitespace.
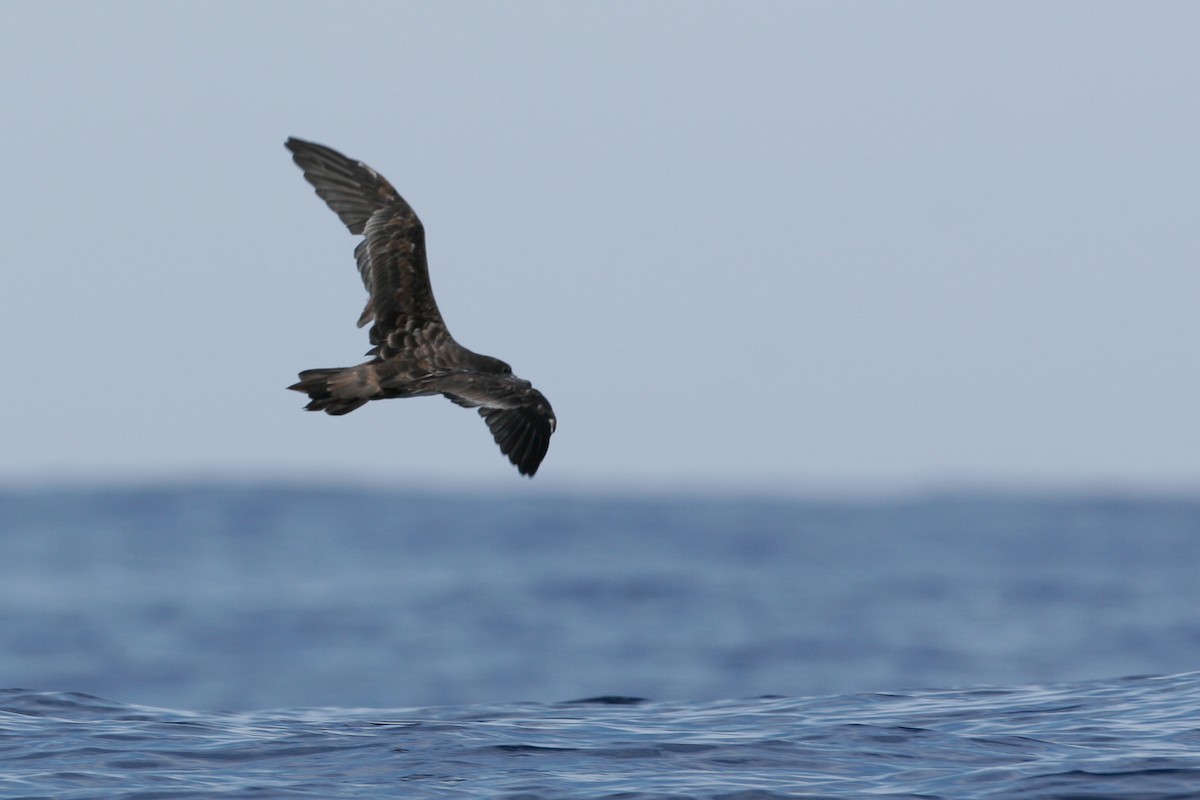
{"x":413,"y":352}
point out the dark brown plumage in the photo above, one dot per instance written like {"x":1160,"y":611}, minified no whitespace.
{"x":414,"y":353}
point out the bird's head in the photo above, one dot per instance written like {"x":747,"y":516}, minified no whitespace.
{"x":489,"y":364}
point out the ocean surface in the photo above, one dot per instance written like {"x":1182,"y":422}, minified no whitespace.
{"x":298,"y":641}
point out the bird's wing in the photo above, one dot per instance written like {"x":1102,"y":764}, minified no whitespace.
{"x":391,"y":256}
{"x":523,"y":433}
{"x":519,"y":416}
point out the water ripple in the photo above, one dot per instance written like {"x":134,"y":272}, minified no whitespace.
{"x":1116,"y":739}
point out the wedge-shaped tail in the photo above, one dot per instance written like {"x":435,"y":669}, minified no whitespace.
{"x":335,"y":391}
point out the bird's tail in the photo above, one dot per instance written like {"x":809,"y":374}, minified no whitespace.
{"x":336,"y":391}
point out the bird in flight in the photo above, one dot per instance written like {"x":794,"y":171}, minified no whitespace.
{"x":414,"y":353}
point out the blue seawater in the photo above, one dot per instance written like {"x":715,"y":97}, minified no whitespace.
{"x":446,"y":645}
{"x":1125,"y":740}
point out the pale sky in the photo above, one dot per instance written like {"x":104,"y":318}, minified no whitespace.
{"x":794,"y":245}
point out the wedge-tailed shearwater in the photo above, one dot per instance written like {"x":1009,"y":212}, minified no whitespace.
{"x":414,"y":353}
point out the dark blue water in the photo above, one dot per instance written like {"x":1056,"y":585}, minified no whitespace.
{"x":1128,"y":739}
{"x":442,"y":635}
